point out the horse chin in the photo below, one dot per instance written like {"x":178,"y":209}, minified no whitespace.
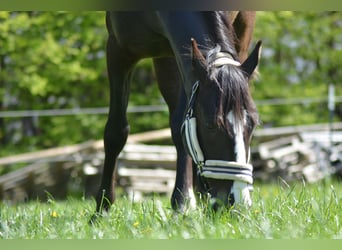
{"x":224,"y":194}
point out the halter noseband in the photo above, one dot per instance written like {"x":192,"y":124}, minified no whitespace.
{"x":214,"y":169}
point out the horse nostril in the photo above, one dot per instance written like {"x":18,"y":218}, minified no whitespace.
{"x":231,"y":199}
{"x":218,"y":204}
{"x":215,"y":206}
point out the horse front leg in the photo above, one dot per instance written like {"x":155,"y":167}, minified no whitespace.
{"x":183,"y":194}
{"x":169,"y":81}
{"x":117,"y":128}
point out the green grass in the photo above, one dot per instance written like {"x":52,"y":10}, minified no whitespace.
{"x":279,"y":211}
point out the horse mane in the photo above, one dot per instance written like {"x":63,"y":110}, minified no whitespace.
{"x":235,"y":94}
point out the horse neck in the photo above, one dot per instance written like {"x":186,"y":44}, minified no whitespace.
{"x":208,"y":28}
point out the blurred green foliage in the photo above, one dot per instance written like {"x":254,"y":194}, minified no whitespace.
{"x":56,"y":60}
{"x":302,"y":55}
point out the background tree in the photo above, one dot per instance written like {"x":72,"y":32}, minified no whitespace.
{"x":51,"y":60}
{"x":301,"y":57}
{"x":56,"y":60}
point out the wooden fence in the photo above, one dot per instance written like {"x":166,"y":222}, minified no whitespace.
{"x":293,"y":153}
{"x":53,"y":171}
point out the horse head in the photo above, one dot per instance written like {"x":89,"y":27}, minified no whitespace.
{"x":219,"y":123}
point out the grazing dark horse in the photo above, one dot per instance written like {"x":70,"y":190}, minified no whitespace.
{"x":201,"y":64}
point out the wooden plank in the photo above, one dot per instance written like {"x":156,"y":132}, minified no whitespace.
{"x":147,"y":164}
{"x":142,"y":137}
{"x":130,"y":147}
{"x":146,"y":180}
{"x":150,"y":187}
{"x":290,"y":130}
{"x":150,"y":136}
{"x":44,"y":154}
{"x":148,"y":156}
{"x":322,"y":136}
{"x":40,"y":171}
{"x":153,"y":157}
{"x":19,"y":174}
{"x":280,"y":147}
{"x":146,"y":173}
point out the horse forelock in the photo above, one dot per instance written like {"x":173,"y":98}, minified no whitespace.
{"x":231,"y":79}
{"x":235,"y":95}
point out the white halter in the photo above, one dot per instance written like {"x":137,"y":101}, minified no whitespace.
{"x":222,"y":58}
{"x":240,"y":173}
{"x":215,"y":169}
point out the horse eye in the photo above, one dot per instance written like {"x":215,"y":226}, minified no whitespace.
{"x":210,"y":125}
{"x":250,"y":126}
{"x":214,"y":123}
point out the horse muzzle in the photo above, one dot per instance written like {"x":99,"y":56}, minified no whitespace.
{"x":240,"y":173}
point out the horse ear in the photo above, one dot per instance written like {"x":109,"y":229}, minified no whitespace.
{"x":250,"y":64}
{"x":198,"y":59}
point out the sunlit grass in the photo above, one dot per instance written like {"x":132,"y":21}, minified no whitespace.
{"x":278,"y":211}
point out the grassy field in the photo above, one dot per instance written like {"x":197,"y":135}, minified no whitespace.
{"x":279,"y":211}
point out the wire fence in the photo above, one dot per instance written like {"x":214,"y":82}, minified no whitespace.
{"x":151,"y":108}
